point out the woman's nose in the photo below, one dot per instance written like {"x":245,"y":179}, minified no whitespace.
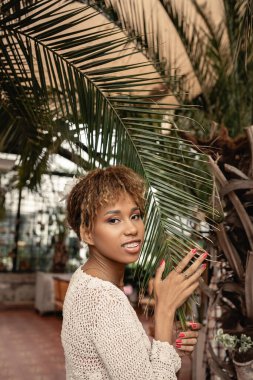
{"x":130,"y":228}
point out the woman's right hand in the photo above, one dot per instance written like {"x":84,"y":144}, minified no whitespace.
{"x":180,"y":283}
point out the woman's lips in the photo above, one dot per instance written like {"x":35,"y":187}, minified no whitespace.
{"x":132,"y":247}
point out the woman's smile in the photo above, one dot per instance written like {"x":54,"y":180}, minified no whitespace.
{"x":118,"y":231}
{"x":133,"y":246}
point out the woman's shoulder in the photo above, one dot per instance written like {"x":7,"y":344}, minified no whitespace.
{"x":94,"y":288}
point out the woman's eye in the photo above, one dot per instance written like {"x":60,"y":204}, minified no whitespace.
{"x":136,"y":216}
{"x":113,"y":221}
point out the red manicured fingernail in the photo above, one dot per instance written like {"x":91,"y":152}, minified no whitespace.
{"x":178,"y":345}
{"x":205,"y":254}
{"x":178,"y":341}
{"x":162,"y":262}
{"x":193,"y":325}
{"x":181,"y":335}
{"x":193,"y":251}
{"x":203,"y":266}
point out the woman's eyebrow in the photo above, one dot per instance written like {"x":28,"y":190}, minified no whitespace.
{"x":112,"y":212}
{"x":118,"y":211}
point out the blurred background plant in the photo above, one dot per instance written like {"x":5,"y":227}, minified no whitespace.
{"x":233,"y":343}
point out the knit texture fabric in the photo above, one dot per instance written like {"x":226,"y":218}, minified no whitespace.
{"x":103,"y":338}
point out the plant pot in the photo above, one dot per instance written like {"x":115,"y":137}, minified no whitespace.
{"x":244,"y":370}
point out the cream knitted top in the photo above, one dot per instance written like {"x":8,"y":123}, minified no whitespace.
{"x":103,"y":338}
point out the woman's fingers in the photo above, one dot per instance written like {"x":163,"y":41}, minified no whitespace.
{"x":183,"y":263}
{"x":190,"y":324}
{"x":185,"y":348}
{"x":192,"y":269}
{"x":194,"y":326}
{"x":196,"y":275}
{"x":189,"y":334}
{"x":181,"y":283}
{"x":186,"y":342}
{"x":193,"y":274}
{"x":159,"y":272}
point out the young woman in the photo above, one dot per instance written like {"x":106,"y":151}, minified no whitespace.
{"x":101,"y":333}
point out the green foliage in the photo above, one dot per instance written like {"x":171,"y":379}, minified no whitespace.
{"x":233,"y":343}
{"x":220,"y":54}
{"x":64,"y":78}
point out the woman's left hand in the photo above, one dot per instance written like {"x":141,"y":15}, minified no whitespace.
{"x":186,"y":340}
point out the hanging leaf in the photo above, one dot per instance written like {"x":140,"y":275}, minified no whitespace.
{"x":70,"y":79}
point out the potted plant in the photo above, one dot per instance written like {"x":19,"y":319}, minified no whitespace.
{"x":240,"y":349}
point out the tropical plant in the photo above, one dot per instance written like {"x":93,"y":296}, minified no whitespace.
{"x":240,"y":344}
{"x":239,"y":348}
{"x":219,"y":83}
{"x":64,"y":77}
{"x":219,"y":52}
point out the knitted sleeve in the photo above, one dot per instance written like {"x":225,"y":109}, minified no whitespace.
{"x":124,"y":347}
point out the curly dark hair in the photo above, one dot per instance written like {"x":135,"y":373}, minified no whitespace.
{"x":99,"y":188}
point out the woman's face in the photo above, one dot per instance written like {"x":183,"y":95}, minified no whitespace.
{"x":118,"y":231}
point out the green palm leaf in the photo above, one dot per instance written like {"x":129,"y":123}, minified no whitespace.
{"x":64,"y":67}
{"x":219,"y":52}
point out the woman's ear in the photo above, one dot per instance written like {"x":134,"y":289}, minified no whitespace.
{"x":86,"y":236}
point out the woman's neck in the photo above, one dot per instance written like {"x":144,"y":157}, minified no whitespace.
{"x":105,"y":270}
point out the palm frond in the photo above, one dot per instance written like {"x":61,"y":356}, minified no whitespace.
{"x":64,"y":66}
{"x":202,"y":40}
{"x":244,"y":10}
{"x":219,"y":53}
{"x":197,"y":35}
{"x":144,"y":25}
{"x":219,"y":61}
